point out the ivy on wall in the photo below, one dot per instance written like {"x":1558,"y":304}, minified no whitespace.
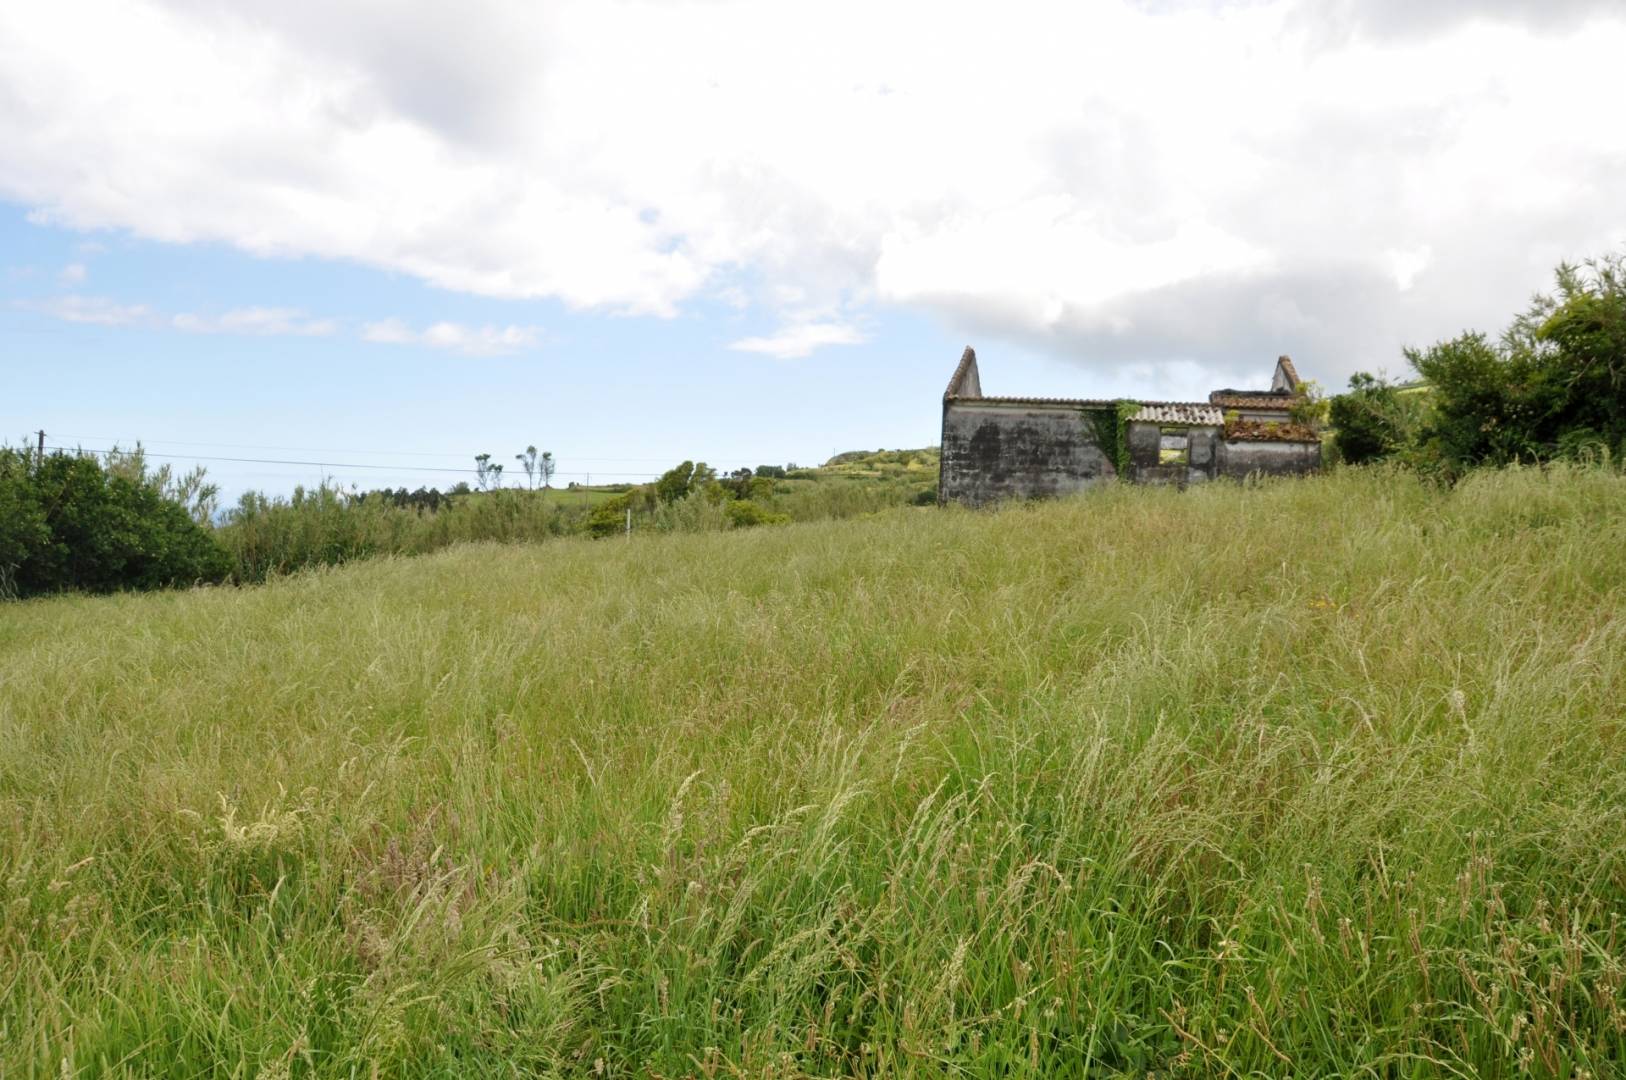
{"x":1111,"y":428}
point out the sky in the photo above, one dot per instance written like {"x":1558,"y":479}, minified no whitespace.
{"x":369,"y":240}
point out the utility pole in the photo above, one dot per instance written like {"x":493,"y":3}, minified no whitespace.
{"x":41,"y":462}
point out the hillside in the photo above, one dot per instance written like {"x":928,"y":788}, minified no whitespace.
{"x":920,"y":464}
{"x":1309,"y":778}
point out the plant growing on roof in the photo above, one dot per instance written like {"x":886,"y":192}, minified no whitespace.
{"x":1309,"y":406}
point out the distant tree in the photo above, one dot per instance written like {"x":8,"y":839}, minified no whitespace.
{"x":487,"y":473}
{"x":687,"y":478}
{"x":430,"y":499}
{"x":738,"y":483}
{"x":545,"y":467}
{"x":772,"y":472}
{"x":674,"y":483}
{"x":528,"y":462}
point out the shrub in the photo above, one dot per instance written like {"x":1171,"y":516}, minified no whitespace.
{"x":1554,"y":386}
{"x":609,"y":517}
{"x":68,"y":523}
{"x":323,"y":526}
{"x":743,"y":513}
{"x":1373,"y":421}
{"x":695,"y":513}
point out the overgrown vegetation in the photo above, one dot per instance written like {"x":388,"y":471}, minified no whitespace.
{"x":69,"y":523}
{"x":1270,"y":431}
{"x":1109,"y":427}
{"x":266,"y":536}
{"x":79,"y":523}
{"x":323,"y":527}
{"x":1325,"y":780}
{"x":1552,"y":388}
{"x":1375,"y":420}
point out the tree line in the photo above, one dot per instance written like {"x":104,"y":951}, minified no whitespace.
{"x":76,"y":521}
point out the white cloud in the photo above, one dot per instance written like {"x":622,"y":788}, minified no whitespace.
{"x":487,"y":340}
{"x":93,"y":310}
{"x":257,"y":321}
{"x":1064,"y":173}
{"x":796,"y":341}
{"x":389,"y":332}
{"x":1406,"y":263}
{"x":73,"y":274}
{"x":456,"y":337}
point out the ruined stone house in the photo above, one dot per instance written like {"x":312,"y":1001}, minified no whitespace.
{"x":1021,"y":447}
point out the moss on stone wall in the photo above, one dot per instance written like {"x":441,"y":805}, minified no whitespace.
{"x":1111,"y":427}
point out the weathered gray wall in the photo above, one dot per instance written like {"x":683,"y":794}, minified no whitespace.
{"x":1244,"y":457}
{"x":1146,"y":467}
{"x":993,"y":451}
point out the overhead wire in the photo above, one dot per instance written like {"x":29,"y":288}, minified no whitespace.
{"x":322,"y":464}
{"x":320,"y":449}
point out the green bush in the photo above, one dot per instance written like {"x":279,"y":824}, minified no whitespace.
{"x":1553,"y":386}
{"x":1373,"y":421}
{"x":609,"y":517}
{"x":743,"y":513}
{"x":695,"y":513}
{"x":68,"y":523}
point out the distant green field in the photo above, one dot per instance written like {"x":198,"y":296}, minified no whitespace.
{"x":1315,"y":778}
{"x":581,"y":495}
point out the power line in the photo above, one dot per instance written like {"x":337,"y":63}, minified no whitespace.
{"x":324,"y":449}
{"x":257,"y":446}
{"x":320,"y":464}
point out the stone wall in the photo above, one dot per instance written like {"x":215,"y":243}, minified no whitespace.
{"x":1019,"y":448}
{"x":1240,"y":458}
{"x":999,"y":450}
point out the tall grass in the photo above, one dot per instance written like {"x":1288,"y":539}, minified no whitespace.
{"x":324,"y":527}
{"x":1315,"y":778}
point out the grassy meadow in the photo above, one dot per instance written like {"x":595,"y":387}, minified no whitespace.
{"x":1322,"y":777}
